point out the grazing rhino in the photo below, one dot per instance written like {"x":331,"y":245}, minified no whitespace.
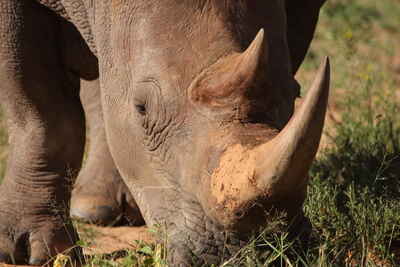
{"x":198,"y":105}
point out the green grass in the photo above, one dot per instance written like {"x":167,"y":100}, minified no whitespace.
{"x":354,"y":194}
{"x":354,"y":197}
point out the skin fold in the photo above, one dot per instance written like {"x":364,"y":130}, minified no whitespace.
{"x":173,"y":92}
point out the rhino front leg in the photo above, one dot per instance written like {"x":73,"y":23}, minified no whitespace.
{"x":100,"y":195}
{"x":47,"y":134}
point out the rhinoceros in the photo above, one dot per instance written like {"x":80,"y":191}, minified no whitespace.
{"x":198,"y":101}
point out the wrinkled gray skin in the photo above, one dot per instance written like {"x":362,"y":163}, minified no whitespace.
{"x":100,"y":196}
{"x":146,"y":55}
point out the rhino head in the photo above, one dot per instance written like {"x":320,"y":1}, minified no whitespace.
{"x":198,"y":100}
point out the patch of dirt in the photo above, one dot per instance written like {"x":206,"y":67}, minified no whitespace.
{"x":110,"y":239}
{"x":107,"y":240}
{"x":371,"y":258}
{"x":233,"y":179}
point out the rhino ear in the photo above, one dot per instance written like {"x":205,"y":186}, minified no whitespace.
{"x":227,"y":80}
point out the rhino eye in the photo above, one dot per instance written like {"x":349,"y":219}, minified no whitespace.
{"x":141,"y":109}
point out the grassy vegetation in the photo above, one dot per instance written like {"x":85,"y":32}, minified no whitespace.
{"x":354,"y":194}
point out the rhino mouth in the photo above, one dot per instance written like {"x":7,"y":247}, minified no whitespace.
{"x":197,"y":240}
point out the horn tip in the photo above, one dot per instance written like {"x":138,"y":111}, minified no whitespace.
{"x":260,"y":35}
{"x":256,"y":46}
{"x":325,"y":67}
{"x":327,"y":63}
{"x":258,"y":41}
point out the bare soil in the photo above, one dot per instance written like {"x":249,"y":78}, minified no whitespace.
{"x":107,"y":240}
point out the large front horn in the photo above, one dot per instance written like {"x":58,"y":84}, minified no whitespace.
{"x":275,"y":170}
{"x":283,"y":163}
